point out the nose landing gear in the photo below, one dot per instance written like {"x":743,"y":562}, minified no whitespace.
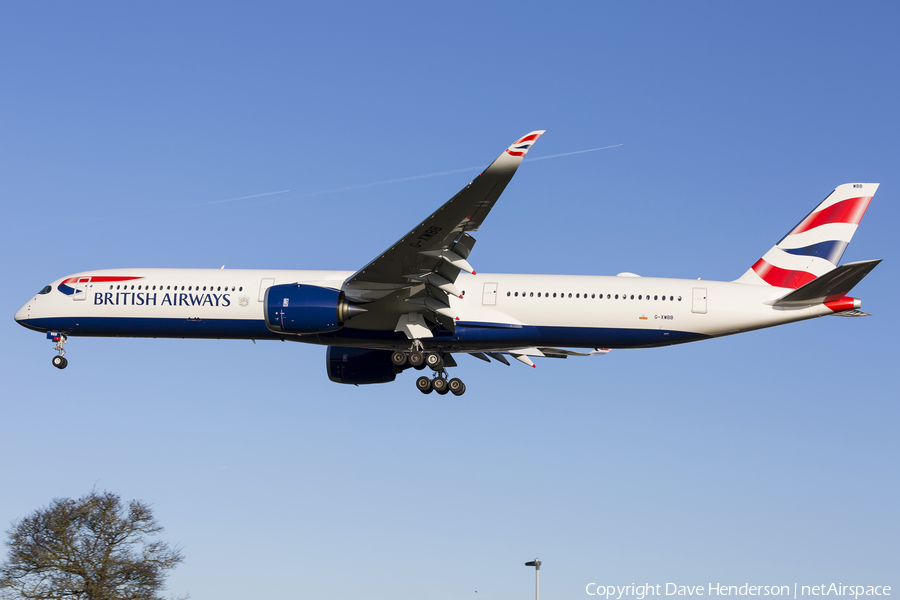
{"x":59,"y":361}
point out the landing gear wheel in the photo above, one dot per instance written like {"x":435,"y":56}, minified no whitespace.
{"x":398,"y":357}
{"x":457,"y":386}
{"x":424,"y":385}
{"x":435,"y":361}
{"x":60,"y":362}
{"x":416,"y":360}
{"x":440,"y":385}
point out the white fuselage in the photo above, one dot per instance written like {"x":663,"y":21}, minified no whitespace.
{"x":496,"y":312}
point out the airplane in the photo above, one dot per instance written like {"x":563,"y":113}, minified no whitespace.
{"x":420,"y":303}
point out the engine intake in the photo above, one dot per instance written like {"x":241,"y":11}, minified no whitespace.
{"x":300,"y":309}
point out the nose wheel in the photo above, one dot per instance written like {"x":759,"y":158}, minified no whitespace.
{"x":59,"y":361}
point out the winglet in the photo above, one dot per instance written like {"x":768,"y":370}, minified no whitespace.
{"x":507,"y":163}
{"x":523,"y":144}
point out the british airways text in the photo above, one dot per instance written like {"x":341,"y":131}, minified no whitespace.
{"x":152,"y":299}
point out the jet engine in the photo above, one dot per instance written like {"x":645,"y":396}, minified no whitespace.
{"x":360,"y":365}
{"x":300,"y":308}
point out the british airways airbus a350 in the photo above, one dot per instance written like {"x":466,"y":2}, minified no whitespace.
{"x":420,"y":302}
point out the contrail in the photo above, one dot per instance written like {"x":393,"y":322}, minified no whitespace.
{"x":440,"y":173}
{"x":230,"y":199}
{"x":330,"y":191}
{"x":571,"y":153}
{"x":171,"y":208}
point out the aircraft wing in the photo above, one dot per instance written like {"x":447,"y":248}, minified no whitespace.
{"x":435,"y":251}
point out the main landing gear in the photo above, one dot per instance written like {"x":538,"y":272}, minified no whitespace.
{"x":418,"y":358}
{"x":59,"y":361}
{"x":441,"y":385}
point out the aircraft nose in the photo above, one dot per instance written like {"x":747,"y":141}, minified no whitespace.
{"x":23,"y":317}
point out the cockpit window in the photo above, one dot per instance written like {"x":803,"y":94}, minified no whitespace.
{"x":46,"y":290}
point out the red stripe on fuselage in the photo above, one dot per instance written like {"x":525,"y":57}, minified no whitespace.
{"x":779,"y":277}
{"x":99,"y":279}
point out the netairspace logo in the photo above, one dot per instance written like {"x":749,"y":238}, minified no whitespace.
{"x":640,"y":592}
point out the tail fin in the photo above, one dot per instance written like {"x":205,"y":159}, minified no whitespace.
{"x":815,"y":246}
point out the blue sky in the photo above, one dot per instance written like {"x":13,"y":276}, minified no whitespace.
{"x":769,"y":457}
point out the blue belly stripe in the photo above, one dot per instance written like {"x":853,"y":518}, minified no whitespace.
{"x":468,"y":336}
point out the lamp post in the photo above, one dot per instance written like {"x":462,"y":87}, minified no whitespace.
{"x":537,"y":577}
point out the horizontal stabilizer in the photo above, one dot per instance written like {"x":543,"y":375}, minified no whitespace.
{"x":853,"y":312}
{"x":833,"y":285}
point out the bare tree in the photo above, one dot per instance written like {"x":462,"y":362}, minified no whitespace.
{"x":92,"y":548}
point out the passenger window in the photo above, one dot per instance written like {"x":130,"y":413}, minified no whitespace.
{"x":570,"y":294}
{"x":554,"y":294}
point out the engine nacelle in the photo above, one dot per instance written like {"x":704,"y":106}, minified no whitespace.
{"x":300,"y":308}
{"x":359,"y":365}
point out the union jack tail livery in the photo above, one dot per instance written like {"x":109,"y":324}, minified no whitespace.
{"x":815,"y":246}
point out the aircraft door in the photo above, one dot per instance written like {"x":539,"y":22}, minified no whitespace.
{"x":81,"y":288}
{"x":698,"y":305}
{"x":263,"y":286}
{"x":489,"y":296}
